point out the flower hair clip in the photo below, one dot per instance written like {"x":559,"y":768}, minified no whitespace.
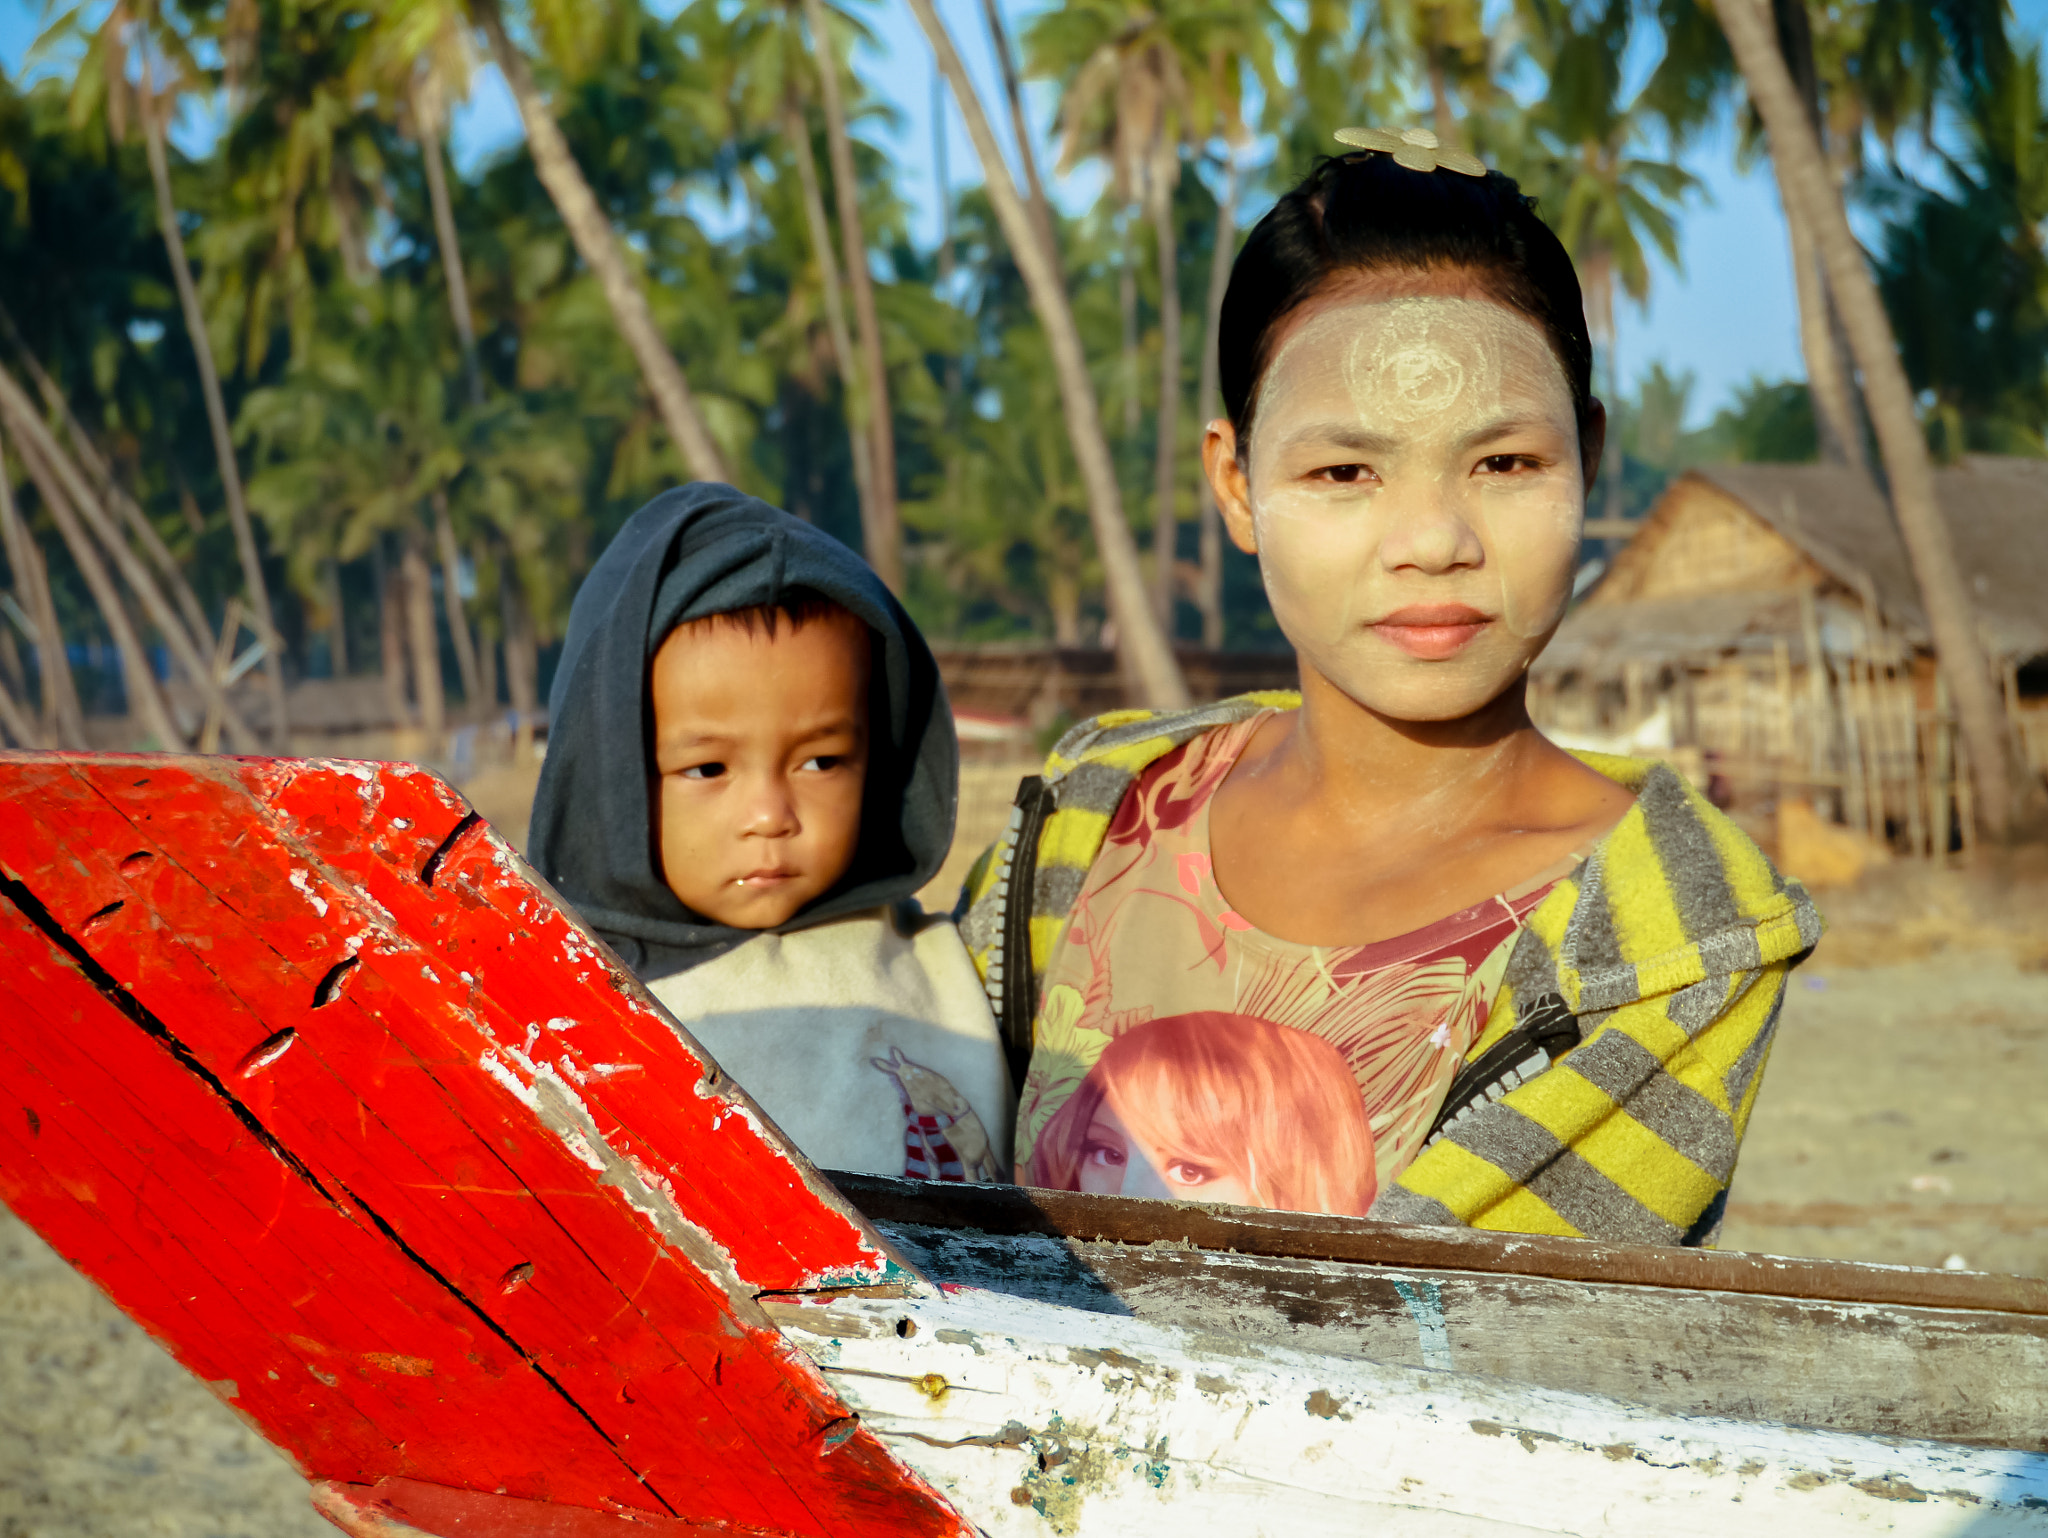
{"x":1416,"y":148}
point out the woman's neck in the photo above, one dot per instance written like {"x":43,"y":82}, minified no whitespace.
{"x":1361,"y":766}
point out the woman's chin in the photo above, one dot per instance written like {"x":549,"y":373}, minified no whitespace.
{"x":1413,"y":689}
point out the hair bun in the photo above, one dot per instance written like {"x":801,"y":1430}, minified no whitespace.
{"x":1416,"y":148}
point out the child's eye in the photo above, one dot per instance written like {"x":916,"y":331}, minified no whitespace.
{"x":1344,"y":475}
{"x":703,"y":772}
{"x":824,"y":762}
{"x":1509,"y":464}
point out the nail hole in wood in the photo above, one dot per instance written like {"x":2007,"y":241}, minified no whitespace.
{"x":906,"y":1328}
{"x":130,"y":864}
{"x":268,"y":1051}
{"x":108,"y":911}
{"x":517,"y":1277}
{"x":329,"y":986}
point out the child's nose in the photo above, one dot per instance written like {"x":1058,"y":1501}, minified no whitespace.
{"x":1431,"y":531}
{"x":770,"y":810}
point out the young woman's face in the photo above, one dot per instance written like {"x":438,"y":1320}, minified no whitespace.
{"x":1115,"y":1163}
{"x":1414,"y":492}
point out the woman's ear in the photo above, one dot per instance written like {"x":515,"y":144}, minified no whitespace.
{"x":1227,"y":479}
{"x":1592,"y":442}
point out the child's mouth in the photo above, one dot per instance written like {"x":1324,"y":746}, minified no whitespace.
{"x":766,"y":880}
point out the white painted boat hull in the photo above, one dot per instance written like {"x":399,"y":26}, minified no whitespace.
{"x":1037,"y":1419}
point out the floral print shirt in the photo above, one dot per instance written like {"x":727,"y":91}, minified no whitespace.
{"x":1182,"y":1053}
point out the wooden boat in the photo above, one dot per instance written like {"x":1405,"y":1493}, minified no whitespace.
{"x":303,"y":1067}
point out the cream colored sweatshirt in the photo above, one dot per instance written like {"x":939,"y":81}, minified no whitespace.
{"x":867,"y":1040}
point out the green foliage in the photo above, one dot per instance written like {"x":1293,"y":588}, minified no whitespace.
{"x":325,"y":283}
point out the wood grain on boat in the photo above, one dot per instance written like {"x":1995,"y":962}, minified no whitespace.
{"x":303,"y":1070}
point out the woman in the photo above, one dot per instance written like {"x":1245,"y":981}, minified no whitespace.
{"x":1551,"y":981}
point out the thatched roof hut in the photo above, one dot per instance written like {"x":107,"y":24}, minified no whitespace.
{"x":1718,"y":566}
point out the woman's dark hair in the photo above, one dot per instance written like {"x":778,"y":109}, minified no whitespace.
{"x":1361,"y":212}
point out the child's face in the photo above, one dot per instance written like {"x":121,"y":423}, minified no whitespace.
{"x":1414,"y":491}
{"x":761,"y":746}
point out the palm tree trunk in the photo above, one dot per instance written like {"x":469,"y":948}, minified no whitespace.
{"x":424,"y":642}
{"x":884,"y":537}
{"x":1127,"y":311}
{"x":187,"y":653}
{"x":598,"y":244}
{"x":391,"y":663}
{"x":1165,"y":464}
{"x":1020,"y":126}
{"x":63,"y":720}
{"x":1828,"y":380}
{"x":15,"y":721}
{"x":946,"y":256}
{"x":1803,"y":176}
{"x":798,"y":132}
{"x":146,"y":701}
{"x":110,"y":489}
{"x":337,"y":630}
{"x":428,"y":122}
{"x":1209,"y":598}
{"x":1142,"y":646}
{"x":216,"y":409}
{"x":522,"y":663}
{"x":451,"y":603}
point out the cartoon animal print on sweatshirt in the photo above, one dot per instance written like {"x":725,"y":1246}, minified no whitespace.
{"x":943,"y":1138}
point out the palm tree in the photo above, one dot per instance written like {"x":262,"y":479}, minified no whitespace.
{"x":103,"y":81}
{"x":1579,"y":153}
{"x":1450,"y":39}
{"x":1138,"y":85}
{"x":63,"y":720}
{"x":1803,"y":176}
{"x":884,"y":530}
{"x":599,"y":246}
{"x":1141,"y":641}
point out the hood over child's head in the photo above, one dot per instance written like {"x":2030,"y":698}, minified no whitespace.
{"x":746,"y":732}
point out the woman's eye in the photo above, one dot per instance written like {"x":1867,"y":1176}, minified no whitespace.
{"x":1344,"y":475}
{"x":1508,"y":464}
{"x":1183,"y":1172}
{"x":703,"y":772}
{"x":1106,"y":1155}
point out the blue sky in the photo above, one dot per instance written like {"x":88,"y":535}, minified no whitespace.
{"x":1727,"y":315}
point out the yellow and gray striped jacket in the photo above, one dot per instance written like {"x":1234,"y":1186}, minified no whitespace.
{"x":1608,"y":1093}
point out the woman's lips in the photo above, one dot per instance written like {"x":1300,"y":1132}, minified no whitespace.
{"x":1432,"y":631}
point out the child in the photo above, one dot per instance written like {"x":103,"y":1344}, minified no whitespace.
{"x":1548,"y":983}
{"x":751,"y":770}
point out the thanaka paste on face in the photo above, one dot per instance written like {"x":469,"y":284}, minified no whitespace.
{"x":1412,"y":388}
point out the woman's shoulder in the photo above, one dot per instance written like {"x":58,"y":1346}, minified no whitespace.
{"x":1675,"y":890}
{"x":1118,"y":745}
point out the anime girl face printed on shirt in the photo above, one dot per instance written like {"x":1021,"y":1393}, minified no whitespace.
{"x":1417,"y":497}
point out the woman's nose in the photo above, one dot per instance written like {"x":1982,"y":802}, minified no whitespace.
{"x":1430,"y":531}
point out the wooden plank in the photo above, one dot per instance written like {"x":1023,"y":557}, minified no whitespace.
{"x":1931,"y":1374}
{"x":1041,"y":1419}
{"x":318,"y":1086}
{"x":1318,"y":1236}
